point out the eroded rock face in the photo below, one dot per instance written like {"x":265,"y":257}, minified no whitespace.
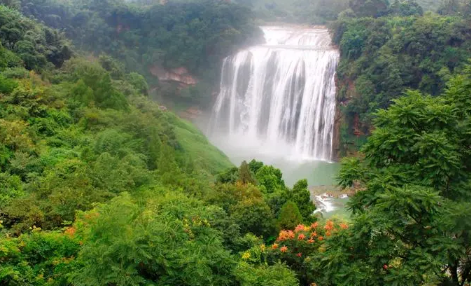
{"x":191,"y":113}
{"x":179,"y":75}
{"x":336,"y":139}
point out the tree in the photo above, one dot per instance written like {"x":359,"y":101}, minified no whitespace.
{"x":405,"y":8}
{"x":245,"y":175}
{"x":276,"y":275}
{"x":139,"y":82}
{"x":253,"y":216}
{"x":229,"y":176}
{"x":416,"y":190}
{"x":301,"y":196}
{"x":168,"y":241}
{"x":289,"y":216}
{"x":369,"y":8}
{"x":270,"y":179}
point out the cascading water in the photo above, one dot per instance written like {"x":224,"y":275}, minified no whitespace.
{"x":279,"y":98}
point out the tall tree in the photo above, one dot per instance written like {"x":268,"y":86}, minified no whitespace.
{"x":416,"y":180}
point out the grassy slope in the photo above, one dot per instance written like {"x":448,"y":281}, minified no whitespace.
{"x":204,"y":154}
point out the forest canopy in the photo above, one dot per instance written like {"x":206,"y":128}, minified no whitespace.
{"x":101,"y":185}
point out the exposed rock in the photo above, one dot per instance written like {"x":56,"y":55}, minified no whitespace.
{"x":336,"y":138}
{"x":179,"y":75}
{"x":191,"y":113}
{"x":122,"y":28}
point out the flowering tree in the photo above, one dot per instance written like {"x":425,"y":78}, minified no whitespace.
{"x":300,"y":249}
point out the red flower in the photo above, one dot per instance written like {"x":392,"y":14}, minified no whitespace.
{"x":301,"y":237}
{"x":314,"y":234}
{"x":299,"y":254}
{"x":284,"y":249}
{"x":329,"y":225}
{"x":343,"y":225}
{"x":274,"y":246}
{"x":300,"y":227}
{"x":320,"y":238}
{"x":385,"y":267}
{"x":70,"y":231}
{"x":315,"y":225}
{"x":290,"y":234}
{"x":310,"y":240}
{"x":285,"y":234}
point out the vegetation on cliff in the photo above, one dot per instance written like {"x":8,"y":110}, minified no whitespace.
{"x":383,"y":54}
{"x":101,"y":186}
{"x":195,"y":35}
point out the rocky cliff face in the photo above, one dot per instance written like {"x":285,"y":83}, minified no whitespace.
{"x":336,"y":144}
{"x":179,"y":75}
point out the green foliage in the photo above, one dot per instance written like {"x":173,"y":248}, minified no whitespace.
{"x":276,"y":275}
{"x":168,"y":241}
{"x":245,"y":175}
{"x":415,"y":191}
{"x":191,"y":34}
{"x":245,"y":204}
{"x":36,"y":45}
{"x":296,"y":11}
{"x":82,"y":134}
{"x":301,"y":196}
{"x":369,"y":8}
{"x":206,"y":157}
{"x":94,"y":85}
{"x":38,"y":258}
{"x":7,"y":85}
{"x":10,"y":188}
{"x":8,"y":59}
{"x":455,"y":8}
{"x":289,"y":216}
{"x":139,"y":82}
{"x":270,"y":179}
{"x":229,"y":176}
{"x":81,"y":146}
{"x":405,"y":8}
{"x":384,"y":57}
{"x":351,"y":170}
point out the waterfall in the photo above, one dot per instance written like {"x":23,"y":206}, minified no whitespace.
{"x":280,"y":97}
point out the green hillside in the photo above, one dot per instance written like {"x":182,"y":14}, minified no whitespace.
{"x":100,"y":185}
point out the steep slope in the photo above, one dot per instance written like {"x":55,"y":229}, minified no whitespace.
{"x":78,"y":131}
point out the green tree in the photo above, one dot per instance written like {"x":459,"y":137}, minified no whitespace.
{"x":245,"y":175}
{"x":276,"y":275}
{"x":229,"y":176}
{"x":415,"y":193}
{"x":254,"y":216}
{"x":301,"y":196}
{"x":289,"y":216}
{"x":270,"y":179}
{"x":138,"y":82}
{"x":369,"y":8}
{"x":168,"y":241}
{"x":405,"y":8}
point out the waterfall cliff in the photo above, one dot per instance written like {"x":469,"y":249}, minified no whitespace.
{"x":280,"y":96}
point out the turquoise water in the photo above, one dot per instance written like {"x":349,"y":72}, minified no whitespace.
{"x":318,"y":173}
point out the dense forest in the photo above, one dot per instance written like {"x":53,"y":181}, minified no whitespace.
{"x":195,"y":35}
{"x":389,"y":50}
{"x":101,"y":185}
